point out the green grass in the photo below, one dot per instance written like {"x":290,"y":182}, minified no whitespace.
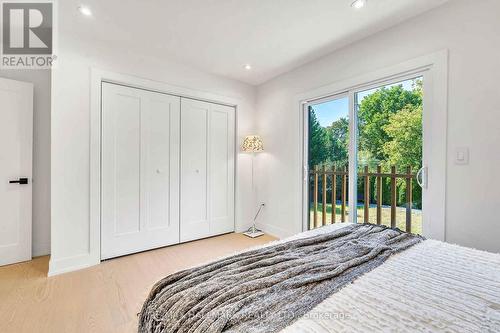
{"x":416,"y":218}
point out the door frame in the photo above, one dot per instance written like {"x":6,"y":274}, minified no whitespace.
{"x":97,"y":78}
{"x":434,"y":69}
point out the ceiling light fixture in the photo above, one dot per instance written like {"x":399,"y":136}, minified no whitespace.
{"x":248,"y":67}
{"x":84,"y":10}
{"x":358,"y":4}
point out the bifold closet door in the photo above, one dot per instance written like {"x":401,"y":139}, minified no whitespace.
{"x":140,"y":170}
{"x":207,"y":169}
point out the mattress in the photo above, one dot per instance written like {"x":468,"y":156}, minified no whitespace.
{"x":431,"y":287}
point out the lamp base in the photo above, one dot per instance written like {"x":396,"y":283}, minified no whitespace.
{"x":253,"y":232}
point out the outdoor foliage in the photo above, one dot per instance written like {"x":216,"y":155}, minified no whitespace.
{"x":317,"y":142}
{"x":328,"y":146}
{"x":390,"y":134}
{"x":376,"y":111}
{"x":404,"y":130}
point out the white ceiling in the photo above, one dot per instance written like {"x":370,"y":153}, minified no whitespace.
{"x":221,"y":36}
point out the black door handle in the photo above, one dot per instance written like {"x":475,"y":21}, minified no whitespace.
{"x":21,"y":181}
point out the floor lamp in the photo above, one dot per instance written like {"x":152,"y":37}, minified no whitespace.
{"x":253,"y":144}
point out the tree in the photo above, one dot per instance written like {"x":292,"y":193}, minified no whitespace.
{"x":404,"y":130}
{"x":374,"y":113}
{"x":317,"y":141}
{"x":405,"y":147}
{"x":337,"y":143}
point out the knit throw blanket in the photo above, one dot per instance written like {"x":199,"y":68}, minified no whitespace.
{"x":266,"y":289}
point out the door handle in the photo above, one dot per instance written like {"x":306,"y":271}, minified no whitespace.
{"x":20,"y":181}
{"x":422,"y":177}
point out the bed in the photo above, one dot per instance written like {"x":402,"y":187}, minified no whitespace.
{"x":338,"y":278}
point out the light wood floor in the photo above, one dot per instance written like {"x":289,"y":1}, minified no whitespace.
{"x":104,"y":298}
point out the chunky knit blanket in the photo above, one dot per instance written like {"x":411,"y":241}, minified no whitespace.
{"x":267,"y":289}
{"x":433,"y":287}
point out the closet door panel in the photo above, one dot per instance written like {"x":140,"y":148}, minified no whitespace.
{"x":221,"y":169}
{"x":140,"y":170}
{"x":194,"y":168}
{"x":161,"y":163}
{"x":207,"y":169}
{"x":121,"y":157}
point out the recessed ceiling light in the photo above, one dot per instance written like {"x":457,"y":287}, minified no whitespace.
{"x":84,"y":10}
{"x":248,"y":67}
{"x":358,"y":4}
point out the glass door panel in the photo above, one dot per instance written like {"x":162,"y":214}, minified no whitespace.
{"x":389,"y":154}
{"x":328,"y":160}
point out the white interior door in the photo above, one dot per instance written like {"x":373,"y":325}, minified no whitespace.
{"x":140,"y":170}
{"x":207,"y":169}
{"x":16,"y":140}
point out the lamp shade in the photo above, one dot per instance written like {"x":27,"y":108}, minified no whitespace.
{"x":252,"y":144}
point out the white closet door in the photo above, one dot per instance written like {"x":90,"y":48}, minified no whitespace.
{"x":140,"y":170}
{"x":221,"y":166}
{"x":207,"y":169}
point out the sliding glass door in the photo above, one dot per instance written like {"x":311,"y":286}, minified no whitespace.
{"x":364,"y":153}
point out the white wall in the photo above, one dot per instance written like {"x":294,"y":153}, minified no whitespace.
{"x":470,"y":31}
{"x":70,"y":137}
{"x":41,"y":154}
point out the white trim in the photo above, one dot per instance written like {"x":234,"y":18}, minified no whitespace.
{"x":69,"y":264}
{"x":93,"y":255}
{"x":353,"y":160}
{"x":304,"y":203}
{"x":434,"y":67}
{"x":275,"y":231}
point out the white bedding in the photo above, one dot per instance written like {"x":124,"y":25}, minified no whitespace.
{"x":432,"y":287}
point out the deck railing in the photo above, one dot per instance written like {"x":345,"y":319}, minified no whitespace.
{"x":341,"y":175}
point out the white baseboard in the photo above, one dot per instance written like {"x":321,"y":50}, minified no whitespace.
{"x":275,"y":231}
{"x":69,"y":264}
{"x":65,"y":265}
